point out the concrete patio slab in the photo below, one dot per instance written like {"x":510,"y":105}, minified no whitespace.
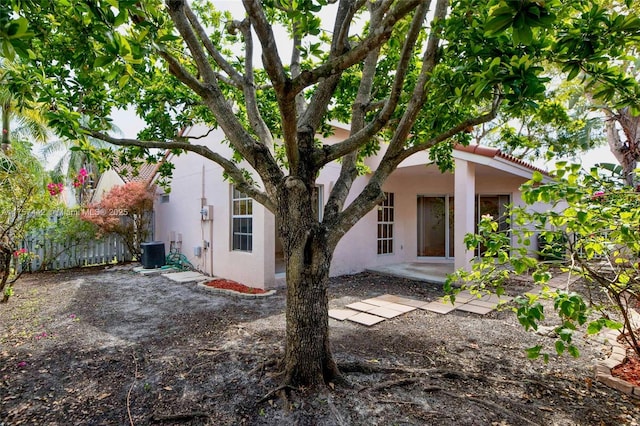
{"x":495,"y":299}
{"x":411,"y":302}
{"x":365,"y":319}
{"x":467,"y":307}
{"x":389,"y":298}
{"x":421,"y":271}
{"x":464,"y":297}
{"x":483,"y":303}
{"x":400,"y":308}
{"x":185,"y":277}
{"x":383,"y":311}
{"x":439,"y":307}
{"x":342,"y":314}
{"x":361,"y":306}
{"x":376,"y":301}
{"x":144,"y":271}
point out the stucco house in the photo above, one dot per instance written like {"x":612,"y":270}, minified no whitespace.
{"x":226,"y":234}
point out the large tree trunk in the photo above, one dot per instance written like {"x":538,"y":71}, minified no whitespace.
{"x":627,"y":150}
{"x":5,"y":145}
{"x":308,"y":359}
{"x":5,"y":270}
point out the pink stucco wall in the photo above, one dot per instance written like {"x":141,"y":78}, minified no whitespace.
{"x":196,"y":178}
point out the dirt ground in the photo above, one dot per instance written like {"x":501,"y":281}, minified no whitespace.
{"x":110,"y":347}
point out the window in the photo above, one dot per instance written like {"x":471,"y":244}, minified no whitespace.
{"x":385,"y":225}
{"x":241,"y":221}
{"x":496,"y":206}
{"x":164,"y":198}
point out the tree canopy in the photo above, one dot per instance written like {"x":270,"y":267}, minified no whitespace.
{"x":415,"y":75}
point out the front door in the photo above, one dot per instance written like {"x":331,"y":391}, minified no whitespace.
{"x":435,"y":226}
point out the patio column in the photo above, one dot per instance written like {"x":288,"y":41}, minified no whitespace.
{"x":464,"y":208}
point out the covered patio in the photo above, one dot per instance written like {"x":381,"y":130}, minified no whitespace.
{"x":432,"y":272}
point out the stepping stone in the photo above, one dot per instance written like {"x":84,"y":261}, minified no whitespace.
{"x":361,"y":306}
{"x":447,"y":301}
{"x":389,"y":298}
{"x":341,"y":314}
{"x":483,"y":303}
{"x":439,"y":307}
{"x":400,"y":308}
{"x":385,"y":312}
{"x":144,"y":271}
{"x":464,"y":297}
{"x":365,"y":319}
{"x":411,"y":302}
{"x":495,"y":298}
{"x":467,"y":307}
{"x":185,"y":277}
{"x":376,"y":301}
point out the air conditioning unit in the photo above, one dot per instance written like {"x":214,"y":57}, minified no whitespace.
{"x":153,"y":255}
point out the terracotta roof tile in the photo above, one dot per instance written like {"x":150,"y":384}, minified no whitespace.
{"x":146,"y":173}
{"x":486,"y":151}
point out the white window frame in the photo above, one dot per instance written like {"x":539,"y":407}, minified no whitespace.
{"x":245,"y":206}
{"x":386,"y":217}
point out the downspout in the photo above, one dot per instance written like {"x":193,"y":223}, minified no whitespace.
{"x":203,"y":203}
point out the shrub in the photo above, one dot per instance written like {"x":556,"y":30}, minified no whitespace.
{"x":598,"y":227}
{"x":126,"y":211}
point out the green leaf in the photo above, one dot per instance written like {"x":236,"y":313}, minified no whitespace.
{"x":573,"y":350}
{"x":101,"y":61}
{"x":123,"y":80}
{"x":594,"y":327}
{"x":560,"y":347}
{"x":534,"y":352}
{"x":168,"y":37}
{"x":523,"y":35}
{"x":498,"y":23}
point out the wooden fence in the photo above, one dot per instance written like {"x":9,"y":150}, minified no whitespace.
{"x":54,"y":253}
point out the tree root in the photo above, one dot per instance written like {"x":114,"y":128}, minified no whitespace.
{"x":395,"y":401}
{"x":263,"y":365}
{"x":272,"y":393}
{"x":390,"y":384}
{"x":336,"y":413}
{"x":491,"y":405}
{"x":361,"y":367}
{"x":135,"y":379}
{"x":177,"y":417}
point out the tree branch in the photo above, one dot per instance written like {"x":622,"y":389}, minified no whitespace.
{"x":228,"y":166}
{"x":497,"y":100}
{"x":178,"y":10}
{"x":372,"y":193}
{"x":270,"y":56}
{"x":348,"y":171}
{"x":340,"y":63}
{"x":251,"y":102}
{"x":364,"y":134}
{"x":419,"y":94}
{"x":258,"y":156}
{"x":234,"y":75}
{"x":317,"y":108}
{"x":296,"y":68}
{"x":281,"y":83}
{"x":176,"y":68}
